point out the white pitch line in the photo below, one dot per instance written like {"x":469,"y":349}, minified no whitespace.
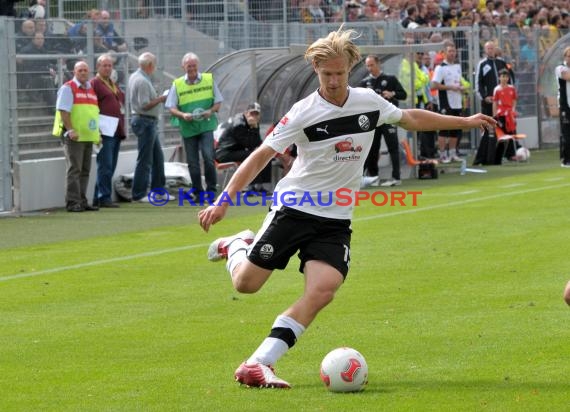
{"x":100,"y":262}
{"x":513,"y":185}
{"x":189,"y":247}
{"x":554,"y":179}
{"x":467,"y":192}
{"x":459,"y":203}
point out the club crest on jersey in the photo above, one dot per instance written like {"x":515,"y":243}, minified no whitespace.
{"x":364,"y":122}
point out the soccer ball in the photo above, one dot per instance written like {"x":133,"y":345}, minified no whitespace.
{"x":523,"y":154}
{"x":344,"y":370}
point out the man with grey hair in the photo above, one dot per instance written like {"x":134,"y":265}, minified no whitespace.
{"x":193,"y":100}
{"x":111,"y":100}
{"x":145,"y":108}
{"x":77,"y":122}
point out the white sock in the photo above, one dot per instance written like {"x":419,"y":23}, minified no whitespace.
{"x":272,"y":349}
{"x":237,"y":253}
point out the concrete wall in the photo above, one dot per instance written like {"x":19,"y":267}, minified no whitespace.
{"x":40,"y":184}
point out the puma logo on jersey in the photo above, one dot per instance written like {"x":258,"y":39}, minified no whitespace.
{"x":324,"y":130}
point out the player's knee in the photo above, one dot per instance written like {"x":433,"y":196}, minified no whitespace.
{"x":243,"y":285}
{"x":244,"y":282}
{"x":322,"y":298}
{"x":567,"y":294}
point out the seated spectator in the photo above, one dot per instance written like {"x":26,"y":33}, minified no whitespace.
{"x":78,"y":32}
{"x":38,"y":75}
{"x":25,"y":35}
{"x":310,"y":12}
{"x":111,"y":39}
{"x":353,"y":11}
{"x":240,"y":136}
{"x":37,"y":9}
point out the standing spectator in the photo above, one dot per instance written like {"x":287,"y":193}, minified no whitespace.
{"x":504,"y":110}
{"x":77,"y":117}
{"x":111,"y":101}
{"x":486,"y":79}
{"x":448,"y":78}
{"x":390,"y":89}
{"x":194,"y":99}
{"x":145,"y":108}
{"x":333,"y":115}
{"x":427,"y":138}
{"x":239,"y":137}
{"x":563,"y":75}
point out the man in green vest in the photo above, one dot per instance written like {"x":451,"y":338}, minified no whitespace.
{"x":193,"y":100}
{"x":77,"y":121}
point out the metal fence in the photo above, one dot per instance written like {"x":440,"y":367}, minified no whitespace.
{"x":31,"y":78}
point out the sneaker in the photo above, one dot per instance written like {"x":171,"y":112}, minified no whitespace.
{"x":455,"y":158}
{"x":565,"y":164}
{"x":368,"y":181}
{"x":444,"y":159}
{"x":391,"y":182}
{"x":218,"y":249}
{"x":260,"y":376}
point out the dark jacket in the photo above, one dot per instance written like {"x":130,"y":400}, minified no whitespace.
{"x":237,"y":136}
{"x":487,"y":76}
{"x":385,"y":82}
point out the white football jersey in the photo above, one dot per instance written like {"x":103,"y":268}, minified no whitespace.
{"x":450,"y":75}
{"x":332,"y":145}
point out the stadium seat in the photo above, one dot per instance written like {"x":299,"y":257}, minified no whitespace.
{"x":505,"y":138}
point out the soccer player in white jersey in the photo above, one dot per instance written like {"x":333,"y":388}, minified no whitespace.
{"x":333,"y":129}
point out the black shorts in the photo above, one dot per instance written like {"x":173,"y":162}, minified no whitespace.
{"x":286,"y":231}
{"x":451,"y":133}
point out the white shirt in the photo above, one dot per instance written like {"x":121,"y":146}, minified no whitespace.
{"x":559,"y":70}
{"x":450,"y":75}
{"x":332,"y":145}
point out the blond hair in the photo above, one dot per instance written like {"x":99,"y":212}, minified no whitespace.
{"x":337,"y":44}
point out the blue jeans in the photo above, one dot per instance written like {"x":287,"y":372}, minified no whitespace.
{"x":193,"y":146}
{"x":106,"y":164}
{"x":150,"y":159}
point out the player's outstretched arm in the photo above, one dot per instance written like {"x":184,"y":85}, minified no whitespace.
{"x":245,"y":173}
{"x":424,"y":120}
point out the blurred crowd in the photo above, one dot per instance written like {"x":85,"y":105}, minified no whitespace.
{"x":524,"y":29}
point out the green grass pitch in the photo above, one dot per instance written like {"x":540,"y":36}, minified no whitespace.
{"x":456,"y":303}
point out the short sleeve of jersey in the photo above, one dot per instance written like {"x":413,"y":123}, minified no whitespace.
{"x":560,"y":70}
{"x":389,"y":113}
{"x":286,"y":132}
{"x":438,"y":74}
